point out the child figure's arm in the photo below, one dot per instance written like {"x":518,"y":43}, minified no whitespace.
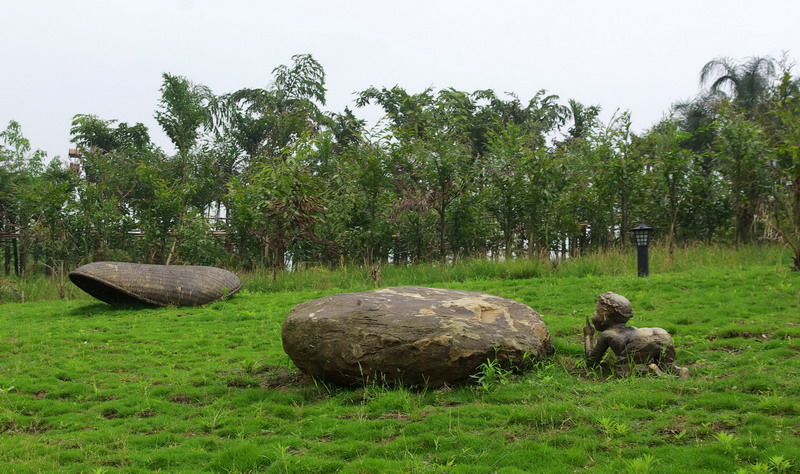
{"x":588,"y":334}
{"x":595,"y":355}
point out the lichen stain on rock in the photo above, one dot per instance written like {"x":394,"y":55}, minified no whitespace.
{"x":457,"y":327}
{"x":483,"y":310}
{"x":394,"y":291}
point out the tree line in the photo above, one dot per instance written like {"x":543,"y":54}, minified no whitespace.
{"x":263,"y":177}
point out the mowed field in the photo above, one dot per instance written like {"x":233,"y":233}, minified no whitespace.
{"x":86,"y":387}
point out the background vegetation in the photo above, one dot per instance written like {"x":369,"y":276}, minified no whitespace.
{"x":265,"y":178}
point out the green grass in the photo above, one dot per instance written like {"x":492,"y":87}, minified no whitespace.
{"x":84,"y":387}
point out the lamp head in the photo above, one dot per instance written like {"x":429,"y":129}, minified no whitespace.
{"x":642,"y":234}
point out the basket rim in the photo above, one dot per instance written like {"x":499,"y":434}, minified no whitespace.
{"x":115,"y":287}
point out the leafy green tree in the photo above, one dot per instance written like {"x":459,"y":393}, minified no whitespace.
{"x":347,"y":130}
{"x":17,"y":154}
{"x":583,"y":119}
{"x":707,"y":207}
{"x":747,"y":82}
{"x":158,"y":208}
{"x":784,"y":131}
{"x":20,"y":173}
{"x":196,"y":245}
{"x":442,"y":138}
{"x":742,"y":153}
{"x":101,"y":223}
{"x":518,"y":167}
{"x":269,"y":125}
{"x":361,"y":203}
{"x":409,"y":114}
{"x":112,"y":156}
{"x":277,"y":205}
{"x":427,"y":158}
{"x":51,"y":220}
{"x":580,"y":194}
{"x":512,"y":195}
{"x":671,"y":169}
{"x":92,"y":133}
{"x":263,"y":122}
{"x":183,"y":110}
{"x":696,"y":117}
{"x":446,"y":171}
{"x":617,"y":173}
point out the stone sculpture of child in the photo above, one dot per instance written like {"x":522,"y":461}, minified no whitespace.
{"x":650,"y":346}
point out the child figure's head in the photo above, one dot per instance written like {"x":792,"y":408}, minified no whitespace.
{"x":611,"y":309}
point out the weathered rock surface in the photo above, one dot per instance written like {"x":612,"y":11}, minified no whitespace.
{"x":410,"y":334}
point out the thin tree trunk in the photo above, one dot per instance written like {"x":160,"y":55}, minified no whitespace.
{"x":279,"y":252}
{"x":671,"y":235}
{"x":530,"y":246}
{"x":623,"y":220}
{"x":442,"y":228}
{"x":172,"y":251}
{"x":794,"y":209}
{"x":24,"y":251}
{"x":8,"y":258}
{"x":744,"y":221}
{"x":507,"y":242}
{"x":16,"y":257}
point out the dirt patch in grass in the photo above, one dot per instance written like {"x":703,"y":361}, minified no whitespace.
{"x":734,"y":333}
{"x":111,"y":414}
{"x":242,"y":382}
{"x":394,"y":416}
{"x":13,"y":428}
{"x":277,"y":377}
{"x":181,"y":398}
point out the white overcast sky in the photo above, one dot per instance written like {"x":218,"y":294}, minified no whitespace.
{"x":105,"y":57}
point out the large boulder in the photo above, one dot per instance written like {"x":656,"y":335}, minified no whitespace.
{"x":411,"y":334}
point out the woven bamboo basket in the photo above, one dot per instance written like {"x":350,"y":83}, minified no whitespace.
{"x":120,"y":283}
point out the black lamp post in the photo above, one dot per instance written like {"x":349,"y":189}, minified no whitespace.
{"x":641,"y":234}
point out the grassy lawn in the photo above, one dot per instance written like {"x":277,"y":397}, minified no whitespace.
{"x":84,"y":387}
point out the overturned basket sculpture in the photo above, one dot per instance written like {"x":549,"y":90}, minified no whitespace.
{"x":119,"y":283}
